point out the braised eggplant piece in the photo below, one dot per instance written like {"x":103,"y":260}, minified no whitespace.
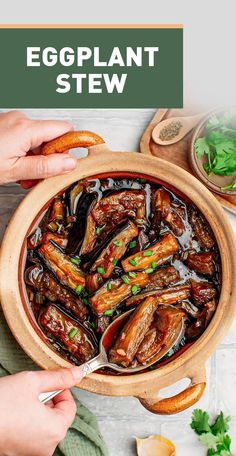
{"x":166,"y":321}
{"x":76,"y":237}
{"x":112,"y":211}
{"x":202,"y":292}
{"x":102,"y":324}
{"x":61,"y":265}
{"x":39,"y":237}
{"x":115,"y":250}
{"x":200,"y":229}
{"x":36,"y":237}
{"x":107,"y":244}
{"x":163,"y":296}
{"x":58,"y":210}
{"x":93,"y":282}
{"x":156,"y":255}
{"x":142,"y":241}
{"x":202,"y":263}
{"x":203,"y":318}
{"x":74,"y":195}
{"x":169,"y":215}
{"x":163,"y":277}
{"x":190,"y":309}
{"x":132,"y":334}
{"x":70,"y":334}
{"x":45,"y":284}
{"x":90,"y":232}
{"x":116,"y":290}
{"x":56,"y":238}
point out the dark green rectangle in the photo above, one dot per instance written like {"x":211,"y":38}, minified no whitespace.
{"x":146,"y":87}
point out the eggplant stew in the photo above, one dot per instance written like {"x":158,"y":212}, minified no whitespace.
{"x":106,"y":245}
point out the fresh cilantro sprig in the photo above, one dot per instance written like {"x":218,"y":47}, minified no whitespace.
{"x":218,"y":145}
{"x":213,"y":436}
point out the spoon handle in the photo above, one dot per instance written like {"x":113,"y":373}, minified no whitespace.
{"x":89,"y":367}
{"x":94,"y":364}
{"x":45,"y":397}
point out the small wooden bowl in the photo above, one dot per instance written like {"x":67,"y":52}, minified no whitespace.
{"x":214,"y":182}
{"x":190,"y":363}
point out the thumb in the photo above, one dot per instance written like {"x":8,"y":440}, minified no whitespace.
{"x":59,"y":379}
{"x":41,"y":167}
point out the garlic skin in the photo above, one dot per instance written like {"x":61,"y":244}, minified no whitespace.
{"x":155,"y":445}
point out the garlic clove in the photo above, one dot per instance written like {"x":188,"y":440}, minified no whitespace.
{"x":155,"y":445}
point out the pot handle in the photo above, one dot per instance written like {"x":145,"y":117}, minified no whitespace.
{"x":179,"y":402}
{"x":71,"y":140}
{"x":67,"y":141}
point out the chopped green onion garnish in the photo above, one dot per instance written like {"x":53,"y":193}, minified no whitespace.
{"x":154,"y":265}
{"x":149,"y":271}
{"x":109,"y":286}
{"x":93,"y":325}
{"x":142,"y":180}
{"x":134,"y":289}
{"x":75,"y":260}
{"x":132,"y":244}
{"x":125,"y":279}
{"x":132,"y":274}
{"x":101,"y":270}
{"x":78,"y":289}
{"x":147,"y":253}
{"x":85,"y":301}
{"x":98,"y":230}
{"x":118,"y":243}
{"x":133,"y":262}
{"x":114,"y":261}
{"x":108,"y":312}
{"x":72,"y":333}
{"x":84,"y":293}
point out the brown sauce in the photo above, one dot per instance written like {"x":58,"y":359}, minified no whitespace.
{"x":86,"y":225}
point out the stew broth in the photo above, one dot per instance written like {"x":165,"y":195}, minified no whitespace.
{"x":106,"y":245}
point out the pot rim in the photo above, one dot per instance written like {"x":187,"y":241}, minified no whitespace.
{"x":120,"y":162}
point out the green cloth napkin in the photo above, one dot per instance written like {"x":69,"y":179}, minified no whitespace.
{"x":83,"y":438}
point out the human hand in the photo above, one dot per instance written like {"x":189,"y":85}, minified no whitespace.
{"x":20,"y":157}
{"x":28,"y":427}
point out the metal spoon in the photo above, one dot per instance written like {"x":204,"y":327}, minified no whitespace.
{"x":186,"y":124}
{"x":106,"y":342}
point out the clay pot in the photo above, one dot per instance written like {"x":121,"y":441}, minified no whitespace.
{"x":144,"y":386}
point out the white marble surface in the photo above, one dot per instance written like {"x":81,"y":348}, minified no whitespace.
{"x":121,"y":419}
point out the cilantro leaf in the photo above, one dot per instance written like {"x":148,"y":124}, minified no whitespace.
{"x":209,"y":440}
{"x":212,"y":122}
{"x":221,"y":424}
{"x":200,"y":422}
{"x":213,"y":436}
{"x":218,"y":145}
{"x":224,"y":163}
{"x":201,"y":147}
